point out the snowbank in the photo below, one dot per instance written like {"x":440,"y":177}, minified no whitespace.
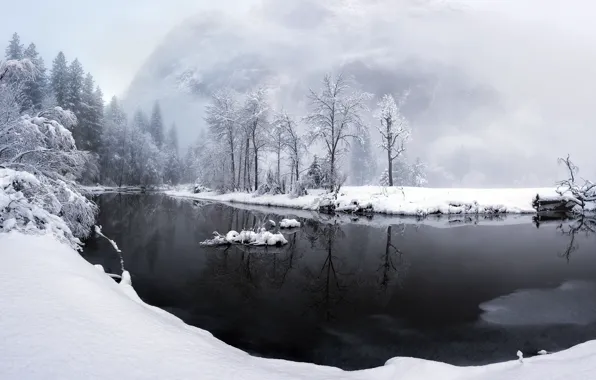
{"x":64,"y":319}
{"x":415,"y":201}
{"x":261,"y":238}
{"x":289,"y":223}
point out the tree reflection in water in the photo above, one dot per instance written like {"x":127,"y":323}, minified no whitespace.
{"x":571,"y":226}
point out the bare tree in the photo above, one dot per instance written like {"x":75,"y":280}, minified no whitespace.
{"x":581,"y":193}
{"x":222,"y":117}
{"x":256,"y":110}
{"x":336,"y":117}
{"x":292,"y":142}
{"x":394,"y":129}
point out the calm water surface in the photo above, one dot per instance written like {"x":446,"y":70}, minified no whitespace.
{"x":354,"y":295}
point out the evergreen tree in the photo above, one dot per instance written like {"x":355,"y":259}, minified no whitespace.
{"x":156,"y":125}
{"x":140,"y":120}
{"x":173,"y":165}
{"x":172,"y":139}
{"x":35,"y":90}
{"x":60,"y":80}
{"x":74,"y":89}
{"x":14,"y":50}
{"x":314,"y":173}
{"x":90,"y":116}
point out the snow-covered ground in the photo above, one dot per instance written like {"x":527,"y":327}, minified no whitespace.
{"x":415,"y":201}
{"x":62,"y":318}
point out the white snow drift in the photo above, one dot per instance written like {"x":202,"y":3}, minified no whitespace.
{"x":64,"y":319}
{"x":416,"y":201}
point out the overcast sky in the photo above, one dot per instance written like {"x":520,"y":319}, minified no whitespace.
{"x":112,"y":38}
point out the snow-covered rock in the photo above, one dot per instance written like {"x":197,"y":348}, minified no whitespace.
{"x":260,"y":238}
{"x":63,"y":319}
{"x":289,"y":223}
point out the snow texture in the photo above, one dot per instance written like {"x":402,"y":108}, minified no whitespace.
{"x":414,"y":201}
{"x":261,"y":238}
{"x":64,"y":319}
{"x":289,"y":223}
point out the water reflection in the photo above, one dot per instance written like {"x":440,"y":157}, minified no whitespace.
{"x":353,"y":294}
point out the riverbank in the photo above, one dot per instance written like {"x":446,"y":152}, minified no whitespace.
{"x":409,"y":201}
{"x":51,"y":294}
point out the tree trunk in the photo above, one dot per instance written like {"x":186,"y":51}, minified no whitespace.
{"x":332,"y":172}
{"x":246,"y":164}
{"x":278,"y":165}
{"x":239,"y":168}
{"x":297,"y":171}
{"x":256,"y":169}
{"x":233,"y":167}
{"x":390,"y":167}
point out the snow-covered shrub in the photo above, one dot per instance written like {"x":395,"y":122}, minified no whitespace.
{"x":39,"y":163}
{"x":270,"y":187}
{"x":299,"y":188}
{"x":33,"y":205}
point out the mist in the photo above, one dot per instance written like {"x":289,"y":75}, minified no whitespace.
{"x":500,"y":90}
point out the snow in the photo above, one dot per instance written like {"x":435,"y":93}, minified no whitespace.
{"x":64,"y":319}
{"x":289,"y":223}
{"x":413,"y":201}
{"x":261,"y":238}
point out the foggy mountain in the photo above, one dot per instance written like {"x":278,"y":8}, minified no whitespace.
{"x":480,"y":114}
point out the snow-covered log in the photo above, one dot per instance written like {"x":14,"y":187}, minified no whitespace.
{"x":261,"y":238}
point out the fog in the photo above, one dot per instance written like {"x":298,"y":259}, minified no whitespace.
{"x":500,"y":89}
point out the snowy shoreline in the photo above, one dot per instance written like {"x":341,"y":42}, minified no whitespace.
{"x":53,"y":295}
{"x":412,"y":201}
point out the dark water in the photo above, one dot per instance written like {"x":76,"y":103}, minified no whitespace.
{"x":352,"y":295}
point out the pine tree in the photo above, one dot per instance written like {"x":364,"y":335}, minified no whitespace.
{"x":35,"y":90}
{"x":314,"y":173}
{"x":173,"y":165}
{"x":156,"y":126}
{"x":90,"y":113}
{"x":75,"y":86}
{"x":60,"y":79}
{"x":14,"y":50}
{"x":140,"y":120}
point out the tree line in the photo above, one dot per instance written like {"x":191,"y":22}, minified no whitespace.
{"x":245,"y":131}
{"x":121,"y":152}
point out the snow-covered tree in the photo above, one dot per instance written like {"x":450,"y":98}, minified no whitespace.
{"x":60,"y":80}
{"x":74,"y":88}
{"x":36,"y":88}
{"x":14,"y":50}
{"x":39,"y":162}
{"x":255,"y":118}
{"x":223,"y":120}
{"x":363,"y":164}
{"x":394,"y":129}
{"x":90,"y":117}
{"x":156,"y":128}
{"x":172,"y":168}
{"x":140,"y":120}
{"x":419,"y":173}
{"x":293,"y":143}
{"x":335,"y":118}
{"x":314,"y":173}
{"x":114,"y":151}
